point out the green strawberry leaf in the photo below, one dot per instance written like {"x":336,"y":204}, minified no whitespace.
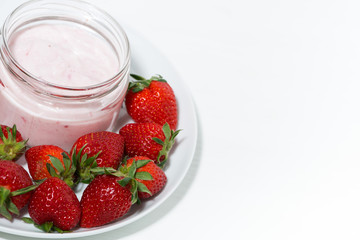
{"x":111,"y":171}
{"x":162,"y":164}
{"x":6,"y":205}
{"x":136,"y":89}
{"x":84,"y":164}
{"x":52,"y":170}
{"x":75,"y":156}
{"x":4,"y":195}
{"x":125,"y":181}
{"x":57,"y":164}
{"x":167,"y":130}
{"x":141,"y":163}
{"x":143,"y":188}
{"x":12,"y":208}
{"x":158,"y":140}
{"x":142,"y":82}
{"x":158,"y":78}
{"x":2,"y":136}
{"x":67,"y":161}
{"x":26,"y":189}
{"x":85,"y":161}
{"x":137,"y":77}
{"x":102,"y":170}
{"x":5,"y":213}
{"x":134,"y":191}
{"x":46,"y":227}
{"x":132,"y":169}
{"x":174,"y":134}
{"x":10,"y":136}
{"x":64,"y":171}
{"x":28,"y":220}
{"x":89,"y":161}
{"x":132,"y":178}
{"x":13,"y":132}
{"x":143,"y":176}
{"x":59,"y":230}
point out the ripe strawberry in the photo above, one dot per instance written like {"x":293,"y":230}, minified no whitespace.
{"x":54,"y":206}
{"x":103,"y":201}
{"x":97,"y":149}
{"x":12,"y":145}
{"x":148,"y":139}
{"x":15,"y":187}
{"x":152,"y":100}
{"x":158,"y":177}
{"x":45,"y":161}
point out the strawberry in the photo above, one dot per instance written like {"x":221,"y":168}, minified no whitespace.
{"x":148,"y":139}
{"x":97,"y":149}
{"x":12,"y":145}
{"x":54,"y":206}
{"x":15,"y":187}
{"x":151,"y":100}
{"x":145,"y":165}
{"x":45,"y":161}
{"x":104,"y":200}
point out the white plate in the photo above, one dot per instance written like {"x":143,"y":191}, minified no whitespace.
{"x":146,"y":61}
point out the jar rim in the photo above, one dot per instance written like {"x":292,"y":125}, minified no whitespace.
{"x":121,"y":71}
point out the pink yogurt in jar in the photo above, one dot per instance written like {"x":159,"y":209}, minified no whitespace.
{"x":63,"y":72}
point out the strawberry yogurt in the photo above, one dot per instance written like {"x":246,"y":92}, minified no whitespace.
{"x":60,"y":79}
{"x":63,"y":54}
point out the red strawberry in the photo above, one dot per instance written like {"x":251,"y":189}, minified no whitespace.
{"x":103,"y":201}
{"x":12,"y":145}
{"x":148,"y":139}
{"x":152,"y":100}
{"x":14,"y":180}
{"x":106,"y":148}
{"x":158,"y":177}
{"x":54,"y":206}
{"x":45,"y":161}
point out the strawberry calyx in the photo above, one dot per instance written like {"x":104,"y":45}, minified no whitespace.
{"x":46,"y":227}
{"x":86,"y":166}
{"x":10,"y":149}
{"x":65,"y":172}
{"x":128,"y":178}
{"x":131,"y":176}
{"x":7,"y":207}
{"x":167,"y":144}
{"x":140,"y":82}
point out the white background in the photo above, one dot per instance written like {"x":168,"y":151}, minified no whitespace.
{"x":277,"y":92}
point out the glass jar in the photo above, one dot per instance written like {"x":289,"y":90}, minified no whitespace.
{"x":57,"y":109}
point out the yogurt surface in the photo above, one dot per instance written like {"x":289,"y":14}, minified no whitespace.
{"x":64,"y":54}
